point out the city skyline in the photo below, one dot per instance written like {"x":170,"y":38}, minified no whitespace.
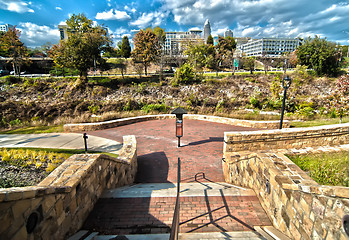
{"x":38,"y":20}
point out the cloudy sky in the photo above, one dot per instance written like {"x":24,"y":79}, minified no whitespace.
{"x":38,"y":19}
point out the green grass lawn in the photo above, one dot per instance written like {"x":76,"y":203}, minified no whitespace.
{"x":32,"y":130}
{"x":325,"y":169}
{"x":318,"y":122}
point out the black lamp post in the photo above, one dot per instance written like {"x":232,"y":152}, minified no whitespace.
{"x":179,"y":123}
{"x":286,"y":83}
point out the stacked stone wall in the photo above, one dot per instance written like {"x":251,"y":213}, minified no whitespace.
{"x":295,"y":203}
{"x":332,"y":135}
{"x":58,"y":206}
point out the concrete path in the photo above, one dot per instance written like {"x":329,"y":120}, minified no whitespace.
{"x":59,"y":140}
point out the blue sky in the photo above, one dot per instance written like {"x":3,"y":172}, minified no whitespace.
{"x":38,"y":19}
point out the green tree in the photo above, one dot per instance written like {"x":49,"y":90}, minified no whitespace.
{"x":209,"y":40}
{"x":161,"y":35}
{"x":146,"y":48}
{"x":13,"y":46}
{"x":249,"y":63}
{"x":225,"y":51}
{"x":321,"y":55}
{"x":125,"y":48}
{"x":200,"y":56}
{"x":185,"y":74}
{"x":82,"y":50}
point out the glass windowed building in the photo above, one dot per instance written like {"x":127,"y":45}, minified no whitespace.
{"x":270,"y":47}
{"x":175,"y":41}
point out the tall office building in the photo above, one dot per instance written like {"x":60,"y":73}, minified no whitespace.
{"x":228,"y":33}
{"x":207,"y":30}
{"x":5,"y":27}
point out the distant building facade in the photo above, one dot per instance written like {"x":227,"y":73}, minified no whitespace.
{"x":5,"y":27}
{"x":207,"y":30}
{"x":228,"y":33}
{"x":175,"y":41}
{"x":270,"y":47}
{"x":63,"y":31}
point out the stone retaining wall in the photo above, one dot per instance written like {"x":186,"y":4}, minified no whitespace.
{"x":296,"y":204}
{"x":59,"y":205}
{"x":125,"y":121}
{"x":287,"y":138}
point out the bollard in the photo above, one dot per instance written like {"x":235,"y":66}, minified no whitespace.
{"x":85,"y":137}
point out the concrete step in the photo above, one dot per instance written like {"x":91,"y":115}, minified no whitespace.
{"x":264,"y":232}
{"x":243,"y":235}
{"x":170,"y":190}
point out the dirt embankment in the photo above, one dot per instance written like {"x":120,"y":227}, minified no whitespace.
{"x":58,"y":101}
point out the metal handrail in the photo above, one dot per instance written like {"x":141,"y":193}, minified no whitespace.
{"x":175,"y":221}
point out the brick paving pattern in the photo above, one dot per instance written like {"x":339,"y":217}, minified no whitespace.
{"x":201,"y":148}
{"x":200,"y":152}
{"x":198,"y":214}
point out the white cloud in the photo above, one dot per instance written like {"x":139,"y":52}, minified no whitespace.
{"x":59,"y":8}
{"x":265,"y":18}
{"x":149,"y":19}
{"x":34,"y":35}
{"x":127,"y":8}
{"x":113,"y":14}
{"x":15,"y":6}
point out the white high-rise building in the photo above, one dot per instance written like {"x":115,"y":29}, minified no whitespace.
{"x":207,"y":30}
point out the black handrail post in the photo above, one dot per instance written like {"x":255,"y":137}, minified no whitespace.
{"x":286,"y":83}
{"x":282,"y":109}
{"x":85,"y":137}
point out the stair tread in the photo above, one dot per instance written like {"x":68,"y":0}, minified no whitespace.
{"x":190,"y":236}
{"x":170,"y":190}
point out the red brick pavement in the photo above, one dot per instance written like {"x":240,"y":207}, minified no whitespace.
{"x":201,"y":151}
{"x":198,"y":214}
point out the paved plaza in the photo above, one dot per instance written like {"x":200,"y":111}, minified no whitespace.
{"x":201,"y":149}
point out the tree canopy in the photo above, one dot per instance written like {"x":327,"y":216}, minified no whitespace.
{"x":82,"y":50}
{"x":209,"y":40}
{"x":146,"y":48}
{"x":319,"y":54}
{"x":125,"y":48}
{"x":13,"y":47}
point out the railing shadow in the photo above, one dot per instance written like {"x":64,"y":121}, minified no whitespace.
{"x":210,"y":211}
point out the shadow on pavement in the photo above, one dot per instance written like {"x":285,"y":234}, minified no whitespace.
{"x":152,"y":168}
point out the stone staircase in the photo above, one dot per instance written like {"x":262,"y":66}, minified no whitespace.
{"x":208,"y":211}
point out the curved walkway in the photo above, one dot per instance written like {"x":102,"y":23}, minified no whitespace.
{"x":58,"y":140}
{"x":201,"y":149}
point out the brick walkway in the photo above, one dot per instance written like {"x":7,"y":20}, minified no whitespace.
{"x":150,"y":215}
{"x":201,"y":151}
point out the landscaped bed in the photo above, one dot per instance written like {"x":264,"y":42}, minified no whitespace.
{"x":325,"y":168}
{"x":28,"y":167}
